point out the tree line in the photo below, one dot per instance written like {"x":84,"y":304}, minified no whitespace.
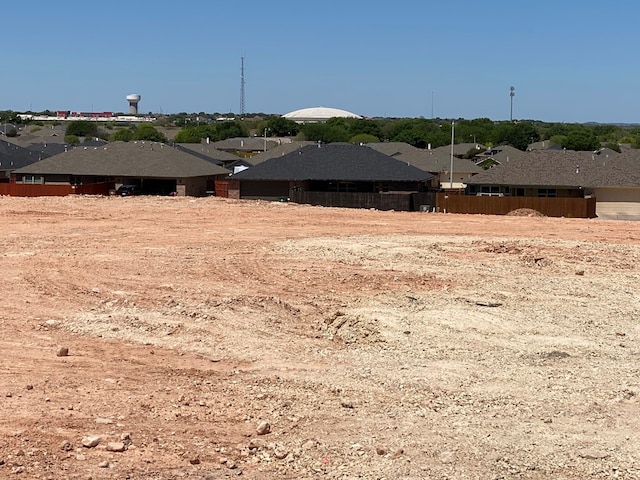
{"x":423,"y":133}
{"x":419,"y":132}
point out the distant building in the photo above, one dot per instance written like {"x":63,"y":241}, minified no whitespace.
{"x":318,"y":114}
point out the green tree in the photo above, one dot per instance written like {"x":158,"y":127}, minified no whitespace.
{"x":281,"y":127}
{"x":82,"y":128}
{"x":146,"y":131}
{"x":557,"y":139}
{"x":518,"y":135}
{"x":613,"y":146}
{"x":363,"y":138}
{"x":325,"y":133}
{"x":362,"y":126}
{"x":413,"y":136}
{"x":195,"y":134}
{"x":581,"y":140}
{"x":72,"y":139}
{"x":122,"y":135}
{"x":226,"y":130}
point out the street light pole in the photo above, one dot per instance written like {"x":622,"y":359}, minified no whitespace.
{"x":265,"y":139}
{"x":453,"y":129}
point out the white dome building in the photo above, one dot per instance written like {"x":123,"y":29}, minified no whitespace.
{"x":318,"y":114}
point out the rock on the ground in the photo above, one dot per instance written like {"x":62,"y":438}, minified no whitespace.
{"x":116,"y":447}
{"x":62,"y":352}
{"x":263,"y":428}
{"x":91,"y":441}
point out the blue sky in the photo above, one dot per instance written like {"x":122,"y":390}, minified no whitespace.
{"x":569,"y":60}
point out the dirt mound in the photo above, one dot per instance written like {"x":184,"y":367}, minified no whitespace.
{"x":525,"y":212}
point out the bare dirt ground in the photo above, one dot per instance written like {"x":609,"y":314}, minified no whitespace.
{"x":376,"y":345}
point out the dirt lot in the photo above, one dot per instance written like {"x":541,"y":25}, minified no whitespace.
{"x":375,"y":345}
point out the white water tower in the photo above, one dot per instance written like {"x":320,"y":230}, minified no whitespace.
{"x":133,"y":100}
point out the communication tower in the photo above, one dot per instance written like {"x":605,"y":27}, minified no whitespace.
{"x":242,"y":106}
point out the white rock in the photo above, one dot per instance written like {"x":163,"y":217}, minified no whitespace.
{"x":91,"y":441}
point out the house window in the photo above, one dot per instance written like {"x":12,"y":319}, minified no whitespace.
{"x":490,"y":189}
{"x":342,"y":187}
{"x":547,"y":192}
{"x":34,"y":179}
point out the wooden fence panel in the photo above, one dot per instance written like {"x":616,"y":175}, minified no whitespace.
{"x":28,"y":190}
{"x":94,"y":188}
{"x":221,"y":188}
{"x":551,"y":207}
{"x":38,"y":190}
{"x":379,"y":201}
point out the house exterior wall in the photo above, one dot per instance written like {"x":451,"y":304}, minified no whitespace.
{"x":266,"y":190}
{"x":617,"y":203}
{"x":192,"y":187}
{"x":233,"y":188}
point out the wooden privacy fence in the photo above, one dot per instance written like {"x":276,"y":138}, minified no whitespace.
{"x":551,"y":207}
{"x":379,"y":201}
{"x":37,"y":190}
{"x":221,"y":188}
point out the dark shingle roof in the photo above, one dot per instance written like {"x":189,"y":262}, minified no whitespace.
{"x":502,"y":153}
{"x":132,"y":159}
{"x":279,"y":151}
{"x":13,"y":156}
{"x":334,"y":162}
{"x":207,"y":152}
{"x":244,"y":144}
{"x":434,"y":161}
{"x":618,"y":170}
{"x":557,"y":168}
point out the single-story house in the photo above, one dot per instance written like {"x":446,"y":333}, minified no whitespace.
{"x":206,"y":151}
{"x":335,"y":175}
{"x":487,"y":158}
{"x":155,"y":167}
{"x":280,"y":151}
{"x":245,"y":146}
{"x":435,"y":161}
{"x":617,"y":185}
{"x":613,"y":179}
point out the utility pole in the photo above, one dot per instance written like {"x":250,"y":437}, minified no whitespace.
{"x":453,"y":129}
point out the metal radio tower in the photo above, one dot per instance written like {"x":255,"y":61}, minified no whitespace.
{"x":242,"y":109}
